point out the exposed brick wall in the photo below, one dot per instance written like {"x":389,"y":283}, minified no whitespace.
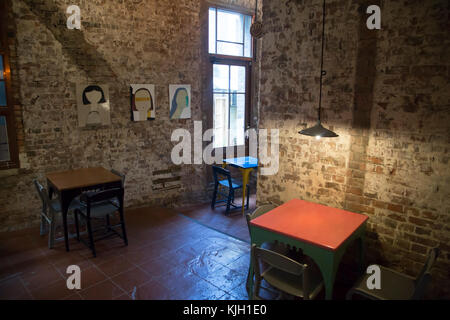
{"x":120,"y":42}
{"x":386,"y":94}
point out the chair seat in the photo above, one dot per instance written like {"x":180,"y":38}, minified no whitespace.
{"x":235,"y":184}
{"x":292,"y":284}
{"x":56,"y":205}
{"x":394,"y":286}
{"x":100,"y":209}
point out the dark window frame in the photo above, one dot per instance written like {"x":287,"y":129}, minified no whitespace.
{"x":215,"y":58}
{"x":8,"y":111}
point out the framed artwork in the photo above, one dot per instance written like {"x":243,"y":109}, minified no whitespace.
{"x":180,"y":101}
{"x":142,"y":102}
{"x":93,"y":105}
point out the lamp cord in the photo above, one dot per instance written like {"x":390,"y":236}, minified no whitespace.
{"x":322,"y":72}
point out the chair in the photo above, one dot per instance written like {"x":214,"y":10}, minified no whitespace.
{"x":395,"y":285}
{"x":287,"y":275}
{"x":100,"y":204}
{"x":222,"y":178}
{"x":258,"y":212}
{"x":50,"y":210}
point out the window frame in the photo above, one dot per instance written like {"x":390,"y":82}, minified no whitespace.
{"x":232,"y":10}
{"x":215,"y":58}
{"x":8,"y":110}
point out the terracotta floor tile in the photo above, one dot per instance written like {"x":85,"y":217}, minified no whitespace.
{"x":40,"y":275}
{"x":151,"y":290}
{"x":105,"y":290}
{"x":225,"y":279}
{"x":115,"y":266}
{"x":130,"y":279}
{"x":13,"y":289}
{"x":55,"y":291}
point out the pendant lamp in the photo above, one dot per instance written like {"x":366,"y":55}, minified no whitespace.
{"x":318,"y":130}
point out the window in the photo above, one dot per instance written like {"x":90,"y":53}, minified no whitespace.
{"x":229,"y":33}
{"x":8,"y":143}
{"x":230,"y":47}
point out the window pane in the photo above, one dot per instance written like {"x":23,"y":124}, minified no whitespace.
{"x":230,"y":49}
{"x":237,"y":79}
{"x":2,"y":94}
{"x":237,"y":119}
{"x":4,"y":147}
{"x":1,"y":67}
{"x":230,"y":26}
{"x":220,"y":124}
{"x":221,"y":78}
{"x":212,"y":30}
{"x":247,"y":37}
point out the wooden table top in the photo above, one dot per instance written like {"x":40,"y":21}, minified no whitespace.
{"x":80,"y":178}
{"x":310,"y":222}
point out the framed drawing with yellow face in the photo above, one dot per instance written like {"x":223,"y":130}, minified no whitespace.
{"x":180,"y":101}
{"x":142,"y":102}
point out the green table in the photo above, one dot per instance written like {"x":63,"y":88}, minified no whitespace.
{"x":321,"y":232}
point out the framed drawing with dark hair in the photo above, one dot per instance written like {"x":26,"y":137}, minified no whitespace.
{"x":93,"y":105}
{"x":142,"y":102}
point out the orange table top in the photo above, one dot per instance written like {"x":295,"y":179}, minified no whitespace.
{"x":310,"y":222}
{"x":80,"y":178}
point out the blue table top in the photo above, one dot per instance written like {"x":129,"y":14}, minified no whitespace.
{"x":243,"y":162}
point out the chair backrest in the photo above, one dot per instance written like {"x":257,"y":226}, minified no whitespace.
{"x":220,"y":173}
{"x":42,"y":194}
{"x":91,"y":198}
{"x":424,"y":277}
{"x":276,"y":260}
{"x":121,"y":175}
{"x":257,"y":212}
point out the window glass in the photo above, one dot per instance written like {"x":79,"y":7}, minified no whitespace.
{"x":2,"y":94}
{"x":229,"y":33}
{"x":2,"y":70}
{"x":229,"y":105}
{"x":230,"y":26}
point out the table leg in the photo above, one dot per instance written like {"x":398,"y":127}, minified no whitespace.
{"x":245,"y":176}
{"x":64,"y":210}
{"x":362,"y":252}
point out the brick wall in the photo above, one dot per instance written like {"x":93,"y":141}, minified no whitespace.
{"x":120,"y":42}
{"x":386,"y":94}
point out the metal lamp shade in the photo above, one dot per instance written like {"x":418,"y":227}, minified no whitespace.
{"x":318,"y":131}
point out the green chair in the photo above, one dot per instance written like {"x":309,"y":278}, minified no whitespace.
{"x":285,"y":274}
{"x":258,"y":212}
{"x":395,"y":285}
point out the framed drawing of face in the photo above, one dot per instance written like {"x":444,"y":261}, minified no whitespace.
{"x":93,"y":105}
{"x":142,"y":102}
{"x":180,"y":101}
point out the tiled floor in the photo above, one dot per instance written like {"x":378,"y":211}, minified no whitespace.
{"x":169,"y":256}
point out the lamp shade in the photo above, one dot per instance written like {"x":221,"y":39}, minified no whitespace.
{"x":318,"y":131}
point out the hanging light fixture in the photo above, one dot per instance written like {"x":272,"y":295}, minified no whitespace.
{"x":318,"y":130}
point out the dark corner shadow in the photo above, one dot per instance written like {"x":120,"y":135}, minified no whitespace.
{"x":84,"y":55}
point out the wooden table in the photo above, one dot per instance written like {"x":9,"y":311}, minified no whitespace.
{"x":322,"y":232}
{"x":69,"y":184}
{"x":246,"y":165}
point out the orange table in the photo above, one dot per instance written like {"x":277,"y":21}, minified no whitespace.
{"x":322,"y":232}
{"x":71,"y":183}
